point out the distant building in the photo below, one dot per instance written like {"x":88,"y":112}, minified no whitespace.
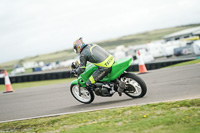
{"x":28,"y":65}
{"x":188,"y":33}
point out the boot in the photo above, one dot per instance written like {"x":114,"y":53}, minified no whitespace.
{"x":91,"y":87}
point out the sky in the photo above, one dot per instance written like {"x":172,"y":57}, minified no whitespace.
{"x":33,"y":27}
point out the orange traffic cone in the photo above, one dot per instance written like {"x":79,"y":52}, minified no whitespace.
{"x":142,"y":67}
{"x":7,"y":83}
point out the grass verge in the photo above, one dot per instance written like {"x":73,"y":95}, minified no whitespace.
{"x":37,"y":83}
{"x":185,"y":63}
{"x":181,"y":116}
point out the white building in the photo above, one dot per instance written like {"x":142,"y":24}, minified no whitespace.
{"x":28,"y":65}
{"x":191,"y":32}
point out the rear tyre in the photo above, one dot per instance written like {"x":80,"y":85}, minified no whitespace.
{"x":136,"y":87}
{"x":87,"y":96}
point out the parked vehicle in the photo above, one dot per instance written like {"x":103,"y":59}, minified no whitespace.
{"x":155,"y":48}
{"x":145,"y":54}
{"x":66,"y":63}
{"x":168,"y":47}
{"x":183,"y":51}
{"x":17,"y":70}
{"x":133,"y":86}
{"x":120,"y":52}
{"x":196,"y":47}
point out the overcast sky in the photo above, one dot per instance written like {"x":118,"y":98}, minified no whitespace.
{"x":32,"y":27}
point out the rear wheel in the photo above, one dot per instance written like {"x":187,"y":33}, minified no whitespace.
{"x":86,"y":96}
{"x":135,"y":86}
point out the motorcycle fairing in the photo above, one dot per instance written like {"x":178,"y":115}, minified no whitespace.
{"x":117,"y":69}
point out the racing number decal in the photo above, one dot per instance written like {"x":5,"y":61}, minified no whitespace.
{"x":109,"y":61}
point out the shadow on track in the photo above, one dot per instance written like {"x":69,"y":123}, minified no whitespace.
{"x":104,"y":103}
{"x":92,"y":106}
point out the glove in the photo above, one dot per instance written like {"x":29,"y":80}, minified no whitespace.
{"x":73,"y":72}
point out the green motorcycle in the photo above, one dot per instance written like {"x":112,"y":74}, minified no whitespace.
{"x":118,"y":78}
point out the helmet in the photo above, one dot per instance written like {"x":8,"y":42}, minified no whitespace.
{"x":78,"y":45}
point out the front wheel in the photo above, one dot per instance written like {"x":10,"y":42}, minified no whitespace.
{"x":135,"y":86}
{"x":86,"y":96}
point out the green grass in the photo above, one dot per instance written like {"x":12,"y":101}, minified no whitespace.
{"x":30,"y":70}
{"x":142,"y":38}
{"x":185,"y":63}
{"x":37,"y":83}
{"x":170,"y":117}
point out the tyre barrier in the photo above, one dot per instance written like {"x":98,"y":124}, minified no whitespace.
{"x":66,"y":74}
{"x":157,"y":65}
{"x":37,"y":77}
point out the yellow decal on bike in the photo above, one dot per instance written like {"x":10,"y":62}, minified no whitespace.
{"x":92,"y":79}
{"x":107,"y":62}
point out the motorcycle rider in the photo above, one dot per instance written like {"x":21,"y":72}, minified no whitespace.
{"x":97,"y":56}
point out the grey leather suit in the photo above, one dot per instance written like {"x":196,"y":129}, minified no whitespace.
{"x":99,"y":57}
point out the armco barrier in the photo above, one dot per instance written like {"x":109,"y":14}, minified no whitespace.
{"x":37,"y":77}
{"x":159,"y":64}
{"x":66,"y":74}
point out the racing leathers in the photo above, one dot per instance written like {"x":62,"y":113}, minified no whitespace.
{"x":99,"y":57}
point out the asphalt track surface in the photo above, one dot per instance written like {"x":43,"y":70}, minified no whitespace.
{"x":166,"y":84}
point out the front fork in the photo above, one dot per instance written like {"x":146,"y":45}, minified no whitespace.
{"x":79,"y":89}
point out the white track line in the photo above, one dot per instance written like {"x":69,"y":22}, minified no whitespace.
{"x":53,"y":115}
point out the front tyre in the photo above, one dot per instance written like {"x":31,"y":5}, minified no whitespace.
{"x":85,"y":97}
{"x":135,"y":86}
